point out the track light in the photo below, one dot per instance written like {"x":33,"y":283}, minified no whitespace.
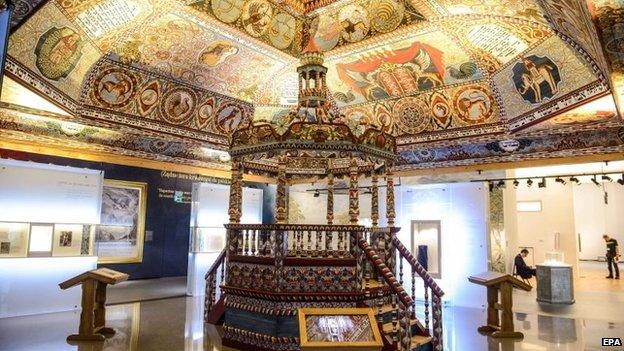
{"x":561,"y":180}
{"x":317,"y":193}
{"x":529,"y":182}
{"x":501,"y":184}
{"x":575,"y":180}
{"x":621,"y":181}
{"x":595,"y":180}
{"x":516,"y":183}
{"x":491,"y":186}
{"x":606,"y":178}
{"x":542,"y":184}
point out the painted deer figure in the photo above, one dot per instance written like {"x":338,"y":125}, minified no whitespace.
{"x":535,"y":77}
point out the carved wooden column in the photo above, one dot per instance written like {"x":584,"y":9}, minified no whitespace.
{"x":375,"y":199}
{"x":281,"y":216}
{"x":354,"y":200}
{"x":236,"y":192}
{"x":330,"y":198}
{"x":390,"y":214}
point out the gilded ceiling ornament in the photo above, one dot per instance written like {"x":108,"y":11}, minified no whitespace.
{"x":227,"y":11}
{"x":58,"y":51}
{"x":115,"y":87}
{"x":412,"y":115}
{"x":256,"y":17}
{"x":355,"y":23}
{"x":473,"y":104}
{"x":177,"y":105}
{"x":282,"y":30}
{"x":386,"y":15}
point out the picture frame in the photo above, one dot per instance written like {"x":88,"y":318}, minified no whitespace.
{"x":120,"y":236}
{"x":348,"y":328}
{"x":67,"y":239}
{"x":14,"y":239}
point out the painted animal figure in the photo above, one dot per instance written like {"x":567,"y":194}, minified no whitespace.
{"x":119,"y":88}
{"x":535,"y":77}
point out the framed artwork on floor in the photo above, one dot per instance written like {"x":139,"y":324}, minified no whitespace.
{"x":119,"y":236}
{"x":338,"y":329}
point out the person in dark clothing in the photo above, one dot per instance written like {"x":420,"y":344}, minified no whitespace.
{"x":613,"y":256}
{"x":522,"y":269}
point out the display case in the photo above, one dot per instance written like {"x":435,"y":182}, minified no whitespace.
{"x":45,"y":240}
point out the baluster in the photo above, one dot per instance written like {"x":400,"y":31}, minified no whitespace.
{"x":401,"y":272}
{"x":245,"y":242}
{"x":395,"y":320}
{"x":437,"y":322}
{"x":426,"y":307}
{"x":239,"y":242}
{"x":413,"y":292}
{"x":319,"y":247}
{"x":302,"y":243}
{"x":326,"y":253}
{"x":380,"y":300}
{"x":254,"y":247}
{"x":309,"y":246}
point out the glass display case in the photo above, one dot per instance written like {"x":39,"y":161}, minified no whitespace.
{"x":45,"y":240}
{"x":554,"y":258}
{"x":208,"y":239}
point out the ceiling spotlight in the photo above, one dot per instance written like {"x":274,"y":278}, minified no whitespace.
{"x":595,"y":181}
{"x":575,"y":180}
{"x":606,"y":178}
{"x":491,"y":186}
{"x":621,"y":181}
{"x":516,"y":183}
{"x":317,"y":193}
{"x":542,"y":184}
{"x":501,"y":184}
{"x":561,"y":180}
{"x":529,"y":182}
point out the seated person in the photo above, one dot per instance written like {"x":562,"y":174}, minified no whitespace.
{"x":522,"y":269}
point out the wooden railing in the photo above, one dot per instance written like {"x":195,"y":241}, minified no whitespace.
{"x":429,"y":285}
{"x":401,"y":319}
{"x":214,"y":279}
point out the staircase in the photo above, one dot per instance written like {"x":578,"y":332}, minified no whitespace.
{"x":382,"y":264}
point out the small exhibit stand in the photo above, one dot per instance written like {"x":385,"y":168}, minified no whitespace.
{"x":93,"y":316}
{"x":338,"y":329}
{"x":499,"y":284}
{"x":209,"y":211}
{"x":555,"y":284}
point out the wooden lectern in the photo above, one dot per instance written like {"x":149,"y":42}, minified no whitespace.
{"x":504,"y":283}
{"x":93,"y":315}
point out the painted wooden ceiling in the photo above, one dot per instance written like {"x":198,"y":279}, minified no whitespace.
{"x":433,"y":72}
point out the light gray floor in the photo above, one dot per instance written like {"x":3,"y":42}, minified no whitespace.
{"x":146,"y":289}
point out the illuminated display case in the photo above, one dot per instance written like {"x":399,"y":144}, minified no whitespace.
{"x":45,"y":240}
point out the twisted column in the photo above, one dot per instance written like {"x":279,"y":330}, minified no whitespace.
{"x":236,"y":192}
{"x":280,"y":201}
{"x":375,"y":200}
{"x":330,"y":198}
{"x":354,"y":200}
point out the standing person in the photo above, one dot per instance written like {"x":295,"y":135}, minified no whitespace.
{"x":613,"y":255}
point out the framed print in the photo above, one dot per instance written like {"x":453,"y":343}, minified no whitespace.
{"x":119,"y":236}
{"x":67,"y":240}
{"x":14,"y":239}
{"x":338,"y":329}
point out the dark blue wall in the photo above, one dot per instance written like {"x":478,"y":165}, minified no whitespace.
{"x":166,"y":254}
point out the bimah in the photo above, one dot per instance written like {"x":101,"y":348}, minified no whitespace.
{"x":500,"y":327}
{"x":93,"y":315}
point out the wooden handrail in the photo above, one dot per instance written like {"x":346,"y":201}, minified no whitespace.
{"x":216,"y":264}
{"x":385,"y":272}
{"x":286,"y":227}
{"x":405,"y":253}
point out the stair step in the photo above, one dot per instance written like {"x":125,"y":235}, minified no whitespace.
{"x":419,"y":340}
{"x":387,"y":327}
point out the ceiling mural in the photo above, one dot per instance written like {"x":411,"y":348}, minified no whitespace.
{"x":261,"y":19}
{"x":427,"y":71}
{"x":356,"y":21}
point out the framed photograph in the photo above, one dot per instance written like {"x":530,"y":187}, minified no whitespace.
{"x":14,"y":239}
{"x":67,"y":240}
{"x":120,"y":234}
{"x":338,"y":329}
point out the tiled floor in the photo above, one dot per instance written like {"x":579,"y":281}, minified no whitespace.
{"x":176,"y":323}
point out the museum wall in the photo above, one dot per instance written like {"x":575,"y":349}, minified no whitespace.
{"x":593,"y":217}
{"x":166,"y":246}
{"x":537,"y":230}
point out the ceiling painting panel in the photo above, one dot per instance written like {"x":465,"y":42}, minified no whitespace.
{"x":360,"y":20}
{"x":134,"y":92}
{"x":22,"y":9}
{"x":181,"y":47}
{"x":259,"y":19}
{"x":414,"y":63}
{"x":572,"y":18}
{"x":545,"y":74}
{"x":52,"y":46}
{"x":106,"y":21}
{"x":524,"y":9}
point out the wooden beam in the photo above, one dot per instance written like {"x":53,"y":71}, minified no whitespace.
{"x":123,"y":160}
{"x":618,"y":156}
